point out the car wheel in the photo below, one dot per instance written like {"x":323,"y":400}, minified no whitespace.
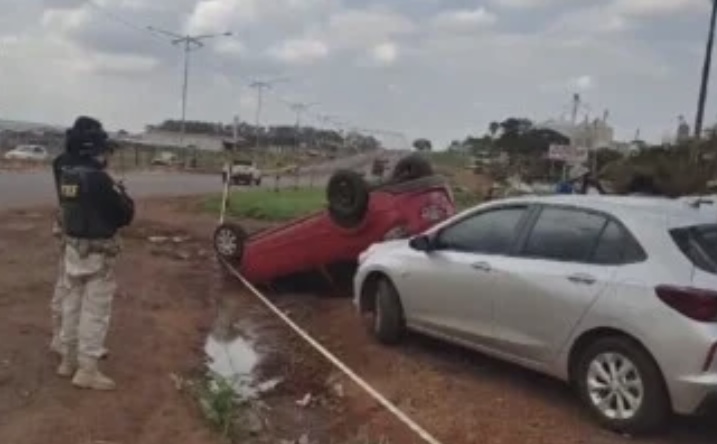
{"x":411,"y":167}
{"x":258,"y":181}
{"x":229,"y":240}
{"x":622,"y":386}
{"x":388,"y":321}
{"x":348,"y":196}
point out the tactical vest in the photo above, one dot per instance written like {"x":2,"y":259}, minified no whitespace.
{"x":80,"y":216}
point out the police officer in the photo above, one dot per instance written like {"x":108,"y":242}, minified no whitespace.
{"x":61,"y":289}
{"x":94,"y":208}
{"x":65,"y":159}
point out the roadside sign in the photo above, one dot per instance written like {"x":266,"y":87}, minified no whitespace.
{"x":569,"y":154}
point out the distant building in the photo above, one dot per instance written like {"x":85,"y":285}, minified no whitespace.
{"x":592,"y":135}
{"x":170,"y":139}
{"x":683,"y":131}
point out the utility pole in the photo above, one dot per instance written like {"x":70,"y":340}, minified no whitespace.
{"x":189,"y":43}
{"x":260,"y":86}
{"x":299,"y":108}
{"x":705,"y":73}
{"x":575,"y":108}
{"x":324,"y":119}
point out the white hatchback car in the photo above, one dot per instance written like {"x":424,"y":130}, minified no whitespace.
{"x":616,"y":295}
{"x":27,"y":152}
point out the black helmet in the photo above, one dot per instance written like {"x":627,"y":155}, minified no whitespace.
{"x":87,"y":138}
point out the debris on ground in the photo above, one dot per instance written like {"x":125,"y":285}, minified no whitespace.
{"x":305,"y":401}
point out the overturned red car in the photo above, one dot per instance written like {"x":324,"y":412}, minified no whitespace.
{"x":357,"y":215}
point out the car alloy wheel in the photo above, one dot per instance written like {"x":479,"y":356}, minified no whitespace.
{"x":615,"y":386}
{"x":227,"y":242}
{"x":622,"y":385}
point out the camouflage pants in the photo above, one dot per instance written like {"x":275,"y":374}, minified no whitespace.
{"x":87,"y":306}
{"x":61,"y":290}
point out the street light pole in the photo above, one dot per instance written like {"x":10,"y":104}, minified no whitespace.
{"x":705,"y":73}
{"x":190,"y":43}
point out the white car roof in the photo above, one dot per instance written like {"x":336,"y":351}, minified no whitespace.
{"x":670,"y":212}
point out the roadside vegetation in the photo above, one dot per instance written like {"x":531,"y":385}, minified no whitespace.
{"x":286,"y":204}
{"x":270,"y":205}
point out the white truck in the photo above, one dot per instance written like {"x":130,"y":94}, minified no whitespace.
{"x":243,"y":172}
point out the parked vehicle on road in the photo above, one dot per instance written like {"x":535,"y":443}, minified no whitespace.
{"x":27,"y":152}
{"x":357,"y":216}
{"x":615,"y":295}
{"x":165,"y":158}
{"x":243,"y":172}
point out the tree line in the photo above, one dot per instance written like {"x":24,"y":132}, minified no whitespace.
{"x":277,"y":135}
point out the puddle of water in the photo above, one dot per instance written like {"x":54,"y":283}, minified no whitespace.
{"x":234,"y":360}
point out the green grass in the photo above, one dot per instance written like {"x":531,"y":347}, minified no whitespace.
{"x":270,"y":205}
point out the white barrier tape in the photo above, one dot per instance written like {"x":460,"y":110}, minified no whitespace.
{"x":420,"y":431}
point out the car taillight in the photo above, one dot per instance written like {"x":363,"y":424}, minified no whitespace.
{"x":394,"y":233}
{"x":695,"y":303}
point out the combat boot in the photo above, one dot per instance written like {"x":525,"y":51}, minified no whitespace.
{"x":88,"y":376}
{"x":68,"y":365}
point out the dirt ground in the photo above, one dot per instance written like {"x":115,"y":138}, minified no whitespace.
{"x":173,"y":295}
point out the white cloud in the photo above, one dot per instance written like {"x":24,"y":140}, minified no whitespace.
{"x":116,"y":63}
{"x":64,"y":20}
{"x":652,"y":8}
{"x":582,"y":83}
{"x":365,"y":28}
{"x":229,"y":46}
{"x":464,"y":18}
{"x":218,"y":15}
{"x":300,"y":51}
{"x":594,"y":20}
{"x":213,"y":15}
{"x":522,"y":4}
{"x":385,"y":53}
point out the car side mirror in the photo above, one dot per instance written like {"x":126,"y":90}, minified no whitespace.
{"x":421,"y":243}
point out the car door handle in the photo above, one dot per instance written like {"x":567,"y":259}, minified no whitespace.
{"x":482,"y":266}
{"x":581,"y":278}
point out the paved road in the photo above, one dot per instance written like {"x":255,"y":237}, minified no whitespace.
{"x":22,"y":189}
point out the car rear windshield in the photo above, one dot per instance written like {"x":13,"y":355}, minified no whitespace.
{"x":243,"y":162}
{"x":699,"y":244}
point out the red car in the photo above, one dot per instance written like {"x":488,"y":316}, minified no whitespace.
{"x":357,"y":216}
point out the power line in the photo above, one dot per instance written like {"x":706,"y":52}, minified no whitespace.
{"x":260,"y":86}
{"x":194,"y":42}
{"x":119,"y":19}
{"x":189,"y":43}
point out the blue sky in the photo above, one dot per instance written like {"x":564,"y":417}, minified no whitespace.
{"x":424,"y":68}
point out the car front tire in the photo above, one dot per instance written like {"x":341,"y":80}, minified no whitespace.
{"x":388,"y":321}
{"x":229,"y":241}
{"x":622,"y":386}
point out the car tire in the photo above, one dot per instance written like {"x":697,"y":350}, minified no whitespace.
{"x":388,"y":322}
{"x":411,"y":167}
{"x":257,"y":182}
{"x":229,"y":241}
{"x":348,"y":197}
{"x":642,"y":380}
